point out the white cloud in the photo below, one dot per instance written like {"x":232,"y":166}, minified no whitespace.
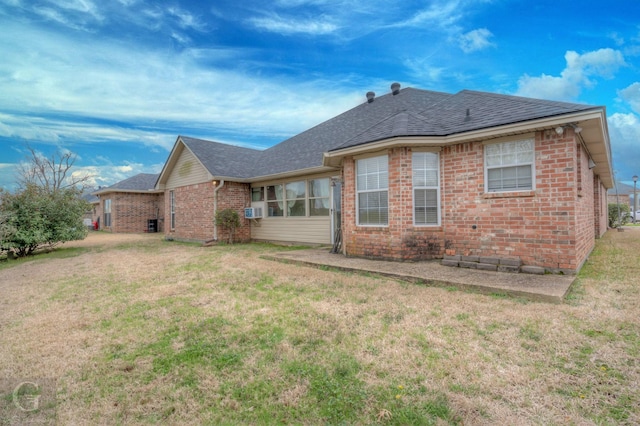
{"x":475,"y":40}
{"x":624,"y":132}
{"x":625,"y":128}
{"x":149,"y":88}
{"x":578,"y":74}
{"x":285,"y":26}
{"x":83,"y":6}
{"x":631,"y":95}
{"x":423,"y":70}
{"x":441,"y":14}
{"x":108,"y":173}
{"x":186,"y":19}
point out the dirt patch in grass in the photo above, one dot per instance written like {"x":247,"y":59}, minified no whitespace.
{"x":138,"y":330}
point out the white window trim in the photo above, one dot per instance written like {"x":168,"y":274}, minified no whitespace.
{"x":358,"y":192}
{"x":437,"y":188}
{"x":306,"y":198}
{"x":532,"y":164}
{"x":267,"y":200}
{"x":309,"y":198}
{"x":172,"y":210}
{"x":107,"y":211}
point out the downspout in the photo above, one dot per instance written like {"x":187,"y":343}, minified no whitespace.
{"x":215,"y":208}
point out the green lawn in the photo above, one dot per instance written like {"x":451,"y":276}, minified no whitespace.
{"x":153,"y":332}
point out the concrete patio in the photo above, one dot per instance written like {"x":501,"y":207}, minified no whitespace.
{"x":547,"y":288}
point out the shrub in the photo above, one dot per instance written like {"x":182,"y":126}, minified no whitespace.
{"x":228,"y":219}
{"x":35,"y":217}
{"x":623,"y":211}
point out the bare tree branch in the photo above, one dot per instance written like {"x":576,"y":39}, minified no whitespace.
{"x":53,"y":173}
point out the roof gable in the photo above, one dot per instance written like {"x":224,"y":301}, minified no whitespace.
{"x":223,"y":160}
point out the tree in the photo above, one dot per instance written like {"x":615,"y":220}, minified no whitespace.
{"x":47,"y":209}
{"x":51,"y":173}
{"x":229,"y":219}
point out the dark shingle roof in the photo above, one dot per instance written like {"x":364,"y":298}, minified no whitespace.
{"x":411,"y":112}
{"x":463,"y":112}
{"x":305,"y":149}
{"x":90,"y":197}
{"x":139,"y":182}
{"x":223,"y":159}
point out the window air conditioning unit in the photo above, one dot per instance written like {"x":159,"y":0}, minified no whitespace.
{"x":253,"y":213}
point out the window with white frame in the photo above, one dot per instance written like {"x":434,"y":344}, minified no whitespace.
{"x":107,"y":212}
{"x":296,"y":195}
{"x":257,"y":194}
{"x":319,"y":197}
{"x":303,"y":198}
{"x":372,"y":186}
{"x":426,"y":188}
{"x":275,"y":200}
{"x":172,"y":203}
{"x":509,"y":166}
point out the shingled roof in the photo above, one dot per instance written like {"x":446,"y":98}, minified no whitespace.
{"x":404,"y":113}
{"x":141,"y":182}
{"x":305,"y":150}
{"x":463,"y":112}
{"x":222,"y":159}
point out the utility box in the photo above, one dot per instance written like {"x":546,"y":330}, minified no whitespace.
{"x":152,"y":225}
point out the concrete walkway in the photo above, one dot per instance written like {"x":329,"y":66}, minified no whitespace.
{"x":547,"y":288}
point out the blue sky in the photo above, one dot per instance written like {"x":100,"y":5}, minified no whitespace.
{"x":116,"y":81}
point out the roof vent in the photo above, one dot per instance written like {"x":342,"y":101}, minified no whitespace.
{"x":395,"y":88}
{"x":468,"y":116}
{"x":370,"y":96}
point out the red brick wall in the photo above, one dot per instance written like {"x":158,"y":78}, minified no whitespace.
{"x":551,"y":227}
{"x":601,"y":208}
{"x":130,"y":211}
{"x":235,"y":196}
{"x":399,"y":240}
{"x":195,"y":211}
{"x":585,"y":209}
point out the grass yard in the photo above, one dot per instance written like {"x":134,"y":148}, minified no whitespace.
{"x":132,"y":329}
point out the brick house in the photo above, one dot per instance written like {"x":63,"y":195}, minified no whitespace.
{"x":412,"y":175}
{"x":132,"y":205}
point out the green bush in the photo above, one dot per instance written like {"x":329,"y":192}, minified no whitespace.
{"x":35,"y":217}
{"x":623,"y":210}
{"x":228,"y":219}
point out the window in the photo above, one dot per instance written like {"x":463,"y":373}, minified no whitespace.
{"x":172,"y":202}
{"x":509,"y":166}
{"x":257,"y":194}
{"x":275,"y":201}
{"x":319,"y":197}
{"x":107,"y":212}
{"x":372,"y":183}
{"x":426,"y":188}
{"x":296,"y":198}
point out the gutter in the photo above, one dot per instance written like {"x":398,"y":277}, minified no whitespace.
{"x":215,"y":208}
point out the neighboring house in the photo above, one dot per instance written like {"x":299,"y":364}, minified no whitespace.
{"x":623,"y":194}
{"x":92,"y":216}
{"x":410,"y":174}
{"x":132,"y":205}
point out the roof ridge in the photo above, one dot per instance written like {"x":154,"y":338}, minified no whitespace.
{"x":525,"y":99}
